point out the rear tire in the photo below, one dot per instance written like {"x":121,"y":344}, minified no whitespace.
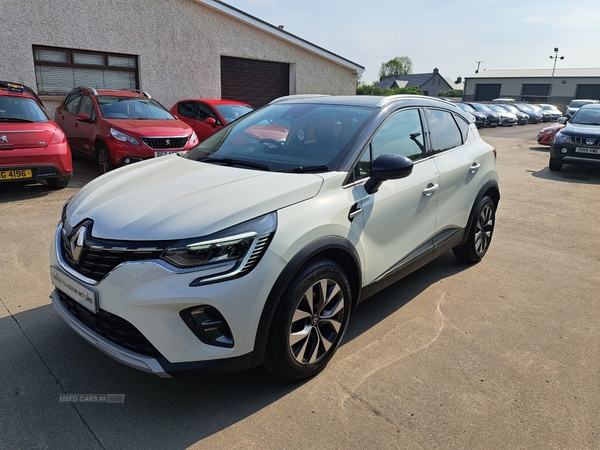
{"x":309,"y":321}
{"x":103,"y":159}
{"x":554,"y":165}
{"x":55,"y":183}
{"x":480,"y":234}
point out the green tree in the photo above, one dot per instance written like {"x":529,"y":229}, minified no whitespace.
{"x":401,"y":65}
{"x":451,"y":93}
{"x":371,"y":89}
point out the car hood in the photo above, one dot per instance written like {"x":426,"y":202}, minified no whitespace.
{"x":575,"y":129}
{"x":152,"y":128}
{"x":175,"y":198}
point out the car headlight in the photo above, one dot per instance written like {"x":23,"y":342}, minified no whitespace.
{"x":230,"y":253}
{"x":120,"y":136}
{"x":549,"y":131}
{"x":562,"y":138}
{"x":193,"y":138}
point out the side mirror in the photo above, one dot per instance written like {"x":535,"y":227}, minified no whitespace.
{"x":388,"y":167}
{"x":562,"y":120}
{"x":210,"y":121}
{"x":83,"y":117}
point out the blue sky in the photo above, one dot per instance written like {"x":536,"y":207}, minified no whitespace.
{"x":451,"y":35}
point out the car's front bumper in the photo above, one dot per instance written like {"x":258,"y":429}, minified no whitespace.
{"x":144,"y":299}
{"x":567,"y":153}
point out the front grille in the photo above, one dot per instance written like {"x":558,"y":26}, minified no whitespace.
{"x":583,"y":140}
{"x":98,"y":256}
{"x":166,"y":143}
{"x":111,"y":327}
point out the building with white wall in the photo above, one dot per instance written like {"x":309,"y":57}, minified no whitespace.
{"x":172,"y":49}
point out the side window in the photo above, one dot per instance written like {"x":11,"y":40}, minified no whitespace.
{"x":205,"y":112}
{"x":463,"y":125}
{"x":86,"y":106}
{"x":186,"y":109}
{"x":72,"y":102}
{"x":401,"y":134}
{"x":444,"y":131}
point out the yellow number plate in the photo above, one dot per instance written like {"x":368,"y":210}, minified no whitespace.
{"x":15,"y":174}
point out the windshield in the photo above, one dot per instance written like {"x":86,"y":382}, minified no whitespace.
{"x":536,"y":108}
{"x":285,"y":137}
{"x":232,"y":112}
{"x":21,"y":109}
{"x":525,"y":108}
{"x":498,"y":109}
{"x":579,"y":103}
{"x":481,"y":108}
{"x":465,"y":107}
{"x":586,"y":116}
{"x":112,"y":107}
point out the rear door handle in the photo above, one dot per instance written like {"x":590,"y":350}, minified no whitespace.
{"x":474,"y":167}
{"x":430,"y":189}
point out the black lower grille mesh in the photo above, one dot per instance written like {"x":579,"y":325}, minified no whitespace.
{"x":111,"y":327}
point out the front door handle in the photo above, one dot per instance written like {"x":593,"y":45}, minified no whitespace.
{"x":354,"y":211}
{"x":430,"y":189}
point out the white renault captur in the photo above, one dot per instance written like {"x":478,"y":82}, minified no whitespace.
{"x":254,"y":247}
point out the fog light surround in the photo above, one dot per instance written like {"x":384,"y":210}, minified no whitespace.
{"x":209,"y":325}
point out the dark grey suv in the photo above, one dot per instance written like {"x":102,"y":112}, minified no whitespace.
{"x":579,"y":141}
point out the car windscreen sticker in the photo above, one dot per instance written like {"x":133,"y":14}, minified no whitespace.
{"x":301,"y":135}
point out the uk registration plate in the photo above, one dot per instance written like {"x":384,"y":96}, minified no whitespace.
{"x":86,"y":297}
{"x":587,"y":150}
{"x":15,"y":174}
{"x":157,"y":154}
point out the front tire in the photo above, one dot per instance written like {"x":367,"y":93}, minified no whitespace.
{"x":103,"y":159}
{"x":480,"y":234}
{"x":554,"y":165}
{"x":309,"y":321}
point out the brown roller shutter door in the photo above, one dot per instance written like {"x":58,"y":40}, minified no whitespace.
{"x":252,"y":81}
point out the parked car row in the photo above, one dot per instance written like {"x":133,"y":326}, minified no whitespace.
{"x":114,"y":127}
{"x":509,"y":114}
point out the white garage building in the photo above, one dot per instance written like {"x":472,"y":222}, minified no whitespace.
{"x":172,"y":49}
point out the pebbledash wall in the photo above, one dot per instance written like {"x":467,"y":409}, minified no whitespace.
{"x":179,"y":44}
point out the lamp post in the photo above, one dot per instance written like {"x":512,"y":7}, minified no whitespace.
{"x":555,"y":57}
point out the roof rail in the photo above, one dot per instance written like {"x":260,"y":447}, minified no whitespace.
{"x":393,"y":98}
{"x":138,"y":91}
{"x":297,"y":97}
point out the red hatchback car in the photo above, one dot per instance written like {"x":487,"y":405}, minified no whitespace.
{"x":32,"y":146}
{"x":120,"y":127}
{"x":546,"y":135}
{"x":208,"y":115}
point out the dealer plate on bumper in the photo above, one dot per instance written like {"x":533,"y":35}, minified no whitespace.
{"x":587,"y":150}
{"x":86,"y":297}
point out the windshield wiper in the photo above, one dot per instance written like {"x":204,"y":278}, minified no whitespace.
{"x":14,"y":119}
{"x":237,"y":162}
{"x":307,"y":169}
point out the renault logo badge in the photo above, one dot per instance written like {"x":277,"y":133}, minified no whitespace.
{"x":76,"y":243}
